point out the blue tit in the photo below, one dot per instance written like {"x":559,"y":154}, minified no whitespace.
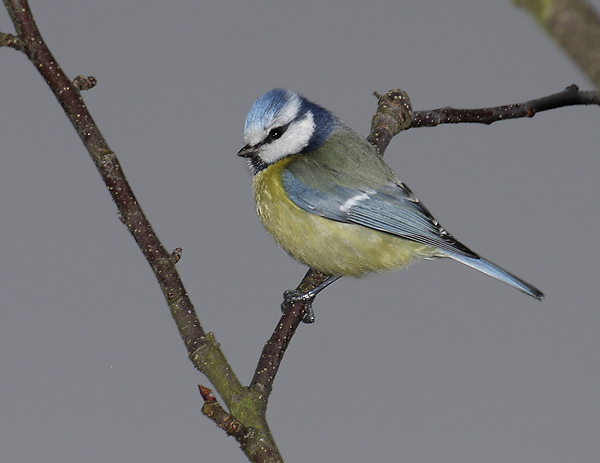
{"x":330,"y":201}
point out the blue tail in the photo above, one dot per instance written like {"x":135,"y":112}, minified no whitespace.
{"x":499,"y":274}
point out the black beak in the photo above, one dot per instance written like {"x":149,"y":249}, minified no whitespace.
{"x":247,"y":151}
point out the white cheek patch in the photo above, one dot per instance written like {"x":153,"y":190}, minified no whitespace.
{"x":295,"y":138}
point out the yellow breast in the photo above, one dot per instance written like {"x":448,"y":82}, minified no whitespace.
{"x":331,"y":247}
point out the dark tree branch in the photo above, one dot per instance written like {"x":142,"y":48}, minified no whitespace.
{"x":273,"y":351}
{"x":570,"y":96}
{"x":130,"y":212}
{"x":394,"y":114}
{"x":202,"y":348}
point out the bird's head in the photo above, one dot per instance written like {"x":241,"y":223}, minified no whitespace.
{"x":282,"y":123}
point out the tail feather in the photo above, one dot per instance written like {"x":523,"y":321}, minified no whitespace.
{"x":499,"y":274}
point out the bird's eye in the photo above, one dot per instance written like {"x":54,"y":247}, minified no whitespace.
{"x":276,"y":133}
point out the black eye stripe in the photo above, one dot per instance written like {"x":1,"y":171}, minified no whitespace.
{"x":276,"y":133}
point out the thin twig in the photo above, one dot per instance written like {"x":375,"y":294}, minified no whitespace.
{"x":570,"y":96}
{"x":272,"y":353}
{"x":84,"y":83}
{"x":12,"y":41}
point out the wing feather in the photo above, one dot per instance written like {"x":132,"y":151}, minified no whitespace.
{"x":359,"y":188}
{"x":391,"y":208}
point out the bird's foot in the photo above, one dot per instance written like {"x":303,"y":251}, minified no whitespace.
{"x":307,"y":297}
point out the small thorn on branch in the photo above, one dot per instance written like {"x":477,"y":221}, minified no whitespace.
{"x":176,"y":255}
{"x":84,"y":83}
{"x":206,"y":394}
{"x":12,"y":41}
{"x":213,"y":410}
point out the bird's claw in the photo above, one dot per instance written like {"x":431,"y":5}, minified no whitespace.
{"x":292,"y":296}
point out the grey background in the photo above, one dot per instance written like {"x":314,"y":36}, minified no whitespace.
{"x":437,"y":363}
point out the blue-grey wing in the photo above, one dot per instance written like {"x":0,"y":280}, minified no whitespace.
{"x":386,"y":204}
{"x":390,"y":208}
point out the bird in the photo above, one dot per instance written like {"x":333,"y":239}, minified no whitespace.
{"x":329,"y":200}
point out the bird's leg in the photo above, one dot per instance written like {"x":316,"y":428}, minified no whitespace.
{"x":307,"y":297}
